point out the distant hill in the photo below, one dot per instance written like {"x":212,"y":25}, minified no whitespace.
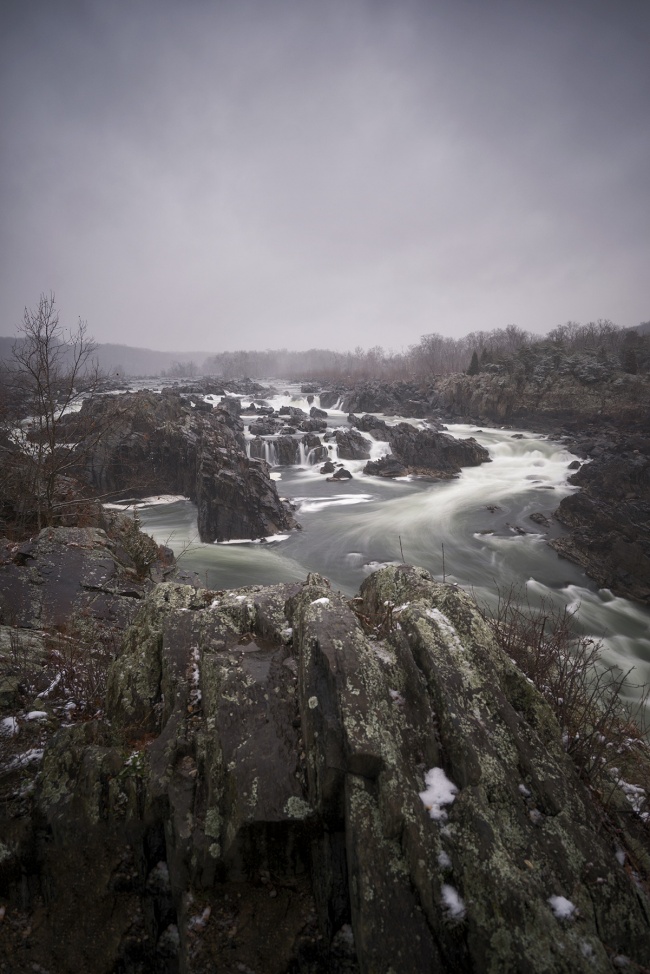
{"x":143,"y":361}
{"x":125,"y":360}
{"x":643,"y":328}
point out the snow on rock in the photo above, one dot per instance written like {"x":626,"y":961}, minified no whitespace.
{"x":447,"y":628}
{"x":562,"y":908}
{"x":440,"y":791}
{"x":8,"y":727}
{"x":454,"y":905}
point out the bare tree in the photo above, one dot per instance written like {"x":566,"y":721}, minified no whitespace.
{"x":52,"y":370}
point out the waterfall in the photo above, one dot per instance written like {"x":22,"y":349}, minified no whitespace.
{"x":270,"y":453}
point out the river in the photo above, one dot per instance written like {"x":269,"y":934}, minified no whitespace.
{"x":474,"y":530}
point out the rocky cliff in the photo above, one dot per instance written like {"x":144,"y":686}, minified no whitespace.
{"x":163,"y":444}
{"x":284,"y":780}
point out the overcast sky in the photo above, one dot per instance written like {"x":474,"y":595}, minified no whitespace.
{"x":223,"y":174}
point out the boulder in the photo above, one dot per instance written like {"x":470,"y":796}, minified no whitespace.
{"x":265,"y":426}
{"x":313,"y":425}
{"x":294,"y":412}
{"x":286,"y":450}
{"x":341,"y":474}
{"x":385,"y":467}
{"x":351,"y":444}
{"x":317,"y":453}
{"x":329,"y":399}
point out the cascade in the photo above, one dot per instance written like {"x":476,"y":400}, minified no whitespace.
{"x":270,"y":453}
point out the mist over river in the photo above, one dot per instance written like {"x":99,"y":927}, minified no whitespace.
{"x":479,"y":523}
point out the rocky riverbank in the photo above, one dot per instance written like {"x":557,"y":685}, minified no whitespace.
{"x":283,"y":780}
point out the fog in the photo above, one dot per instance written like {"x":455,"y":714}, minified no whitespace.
{"x":267,"y":174}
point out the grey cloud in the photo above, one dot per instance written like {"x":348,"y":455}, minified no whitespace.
{"x":246,"y":174}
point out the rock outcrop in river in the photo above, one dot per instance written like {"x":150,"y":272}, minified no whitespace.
{"x":287,"y":781}
{"x":159,"y":444}
{"x":422,"y":450}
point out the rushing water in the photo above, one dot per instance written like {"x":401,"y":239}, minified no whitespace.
{"x":475,"y":530}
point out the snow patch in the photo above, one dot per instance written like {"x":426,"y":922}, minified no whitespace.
{"x":440,"y":791}
{"x":454,"y":905}
{"x":323,"y":601}
{"x":8,"y":727}
{"x":563,"y":909}
{"x":447,"y":628}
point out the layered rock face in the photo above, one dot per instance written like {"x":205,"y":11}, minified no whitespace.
{"x":609,"y":519}
{"x":159,"y":444}
{"x":256,"y":799}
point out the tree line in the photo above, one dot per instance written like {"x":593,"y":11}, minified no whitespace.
{"x":434,"y":355}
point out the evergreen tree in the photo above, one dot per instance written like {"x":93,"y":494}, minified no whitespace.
{"x":474,"y":367}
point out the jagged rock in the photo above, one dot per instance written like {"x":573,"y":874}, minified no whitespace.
{"x":436,"y":452}
{"x":328,"y":467}
{"x":313,"y":425}
{"x":317,"y":452}
{"x":285,"y":780}
{"x":236,"y":499}
{"x":609,"y":519}
{"x":316,"y":413}
{"x":426,"y":450}
{"x":265,"y":426}
{"x":157,"y":444}
{"x":286,"y":450}
{"x":329,"y":399}
{"x":341,"y":474}
{"x":385,"y":467}
{"x":231,"y":405}
{"x":351,"y":444}
{"x":294,"y":412}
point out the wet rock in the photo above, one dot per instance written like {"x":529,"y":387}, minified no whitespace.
{"x":351,"y":444}
{"x":313,"y":425}
{"x":317,"y":453}
{"x":265,"y":426}
{"x":385,"y":467}
{"x":430,"y":450}
{"x":287,"y":450}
